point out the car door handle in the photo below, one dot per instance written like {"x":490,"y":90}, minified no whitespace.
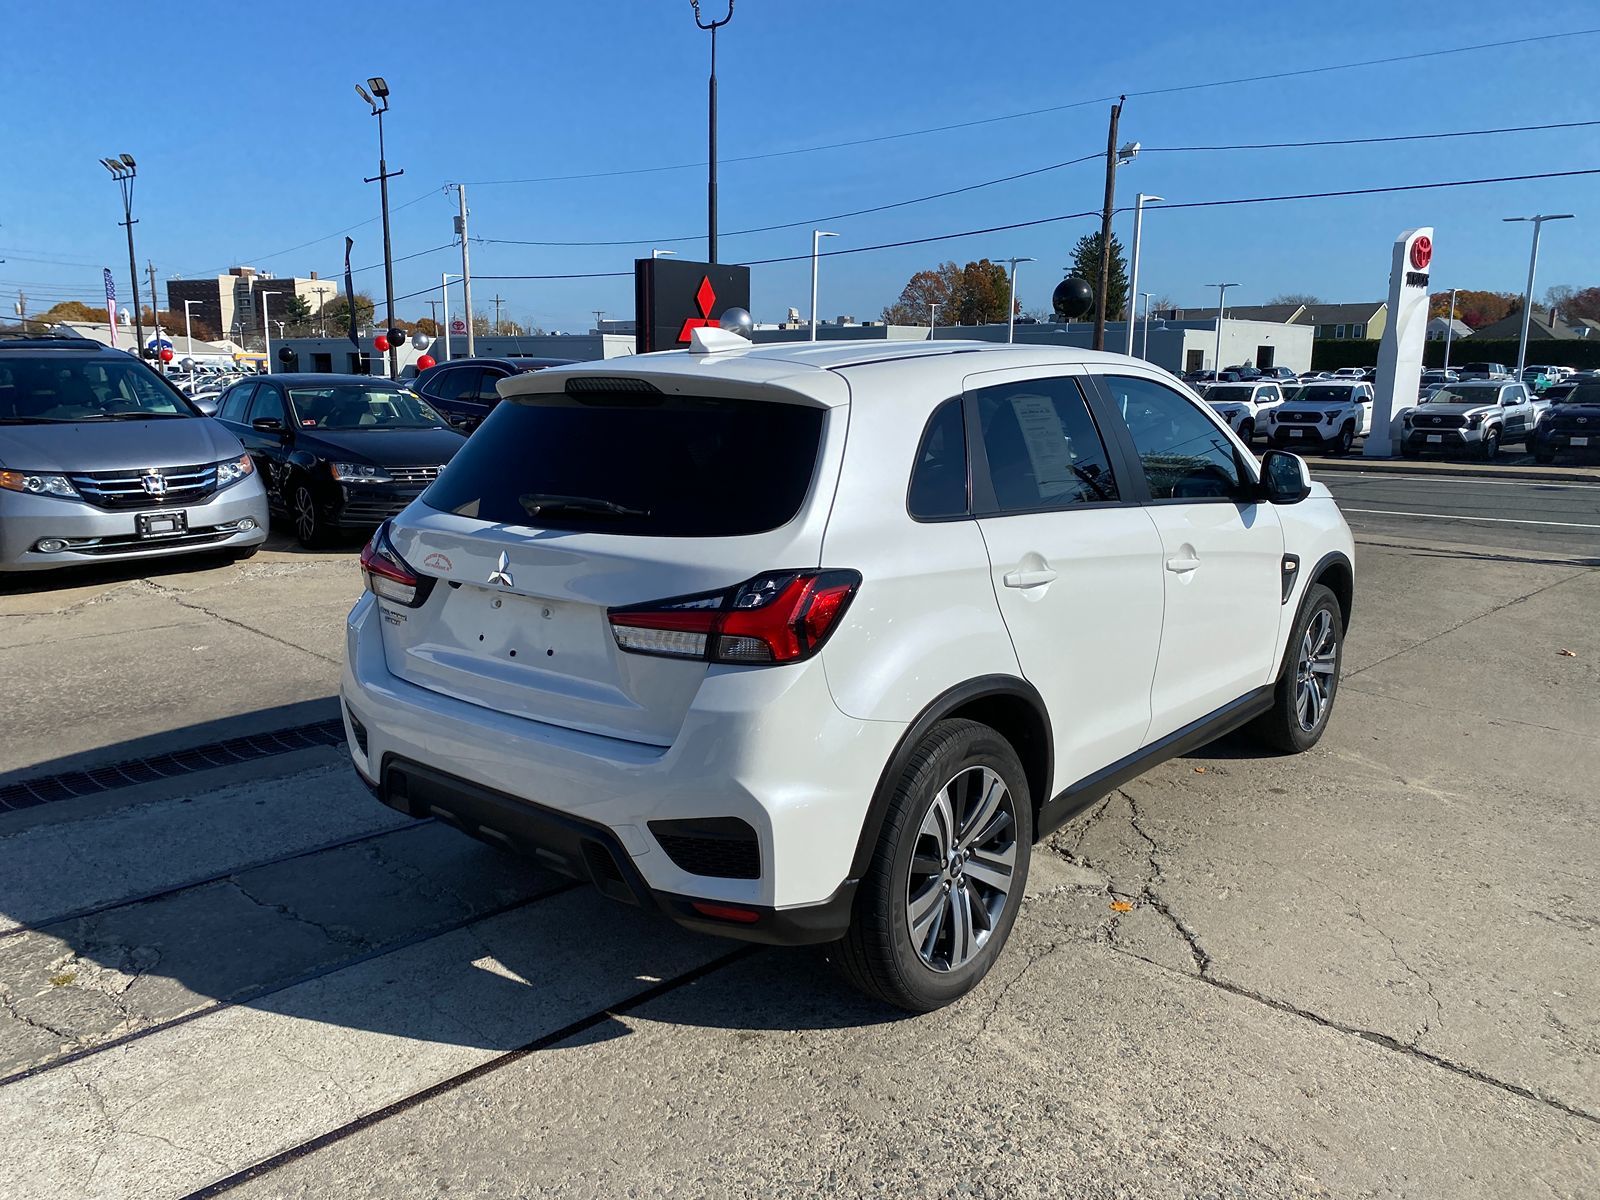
{"x":1183,"y":564}
{"x":1030,"y":578}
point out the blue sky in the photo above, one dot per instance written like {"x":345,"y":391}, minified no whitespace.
{"x":251,"y":140}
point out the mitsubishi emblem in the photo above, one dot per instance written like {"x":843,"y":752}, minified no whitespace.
{"x":502,"y":571}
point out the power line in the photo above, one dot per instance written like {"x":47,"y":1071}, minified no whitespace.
{"x":1371,"y":141}
{"x":1055,"y":108}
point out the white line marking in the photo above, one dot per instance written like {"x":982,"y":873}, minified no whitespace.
{"x":1385,"y":512}
{"x":1471,"y":479}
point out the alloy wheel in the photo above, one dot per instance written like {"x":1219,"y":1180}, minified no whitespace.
{"x":961,"y":869}
{"x":1314,"y":682}
{"x":305,"y":514}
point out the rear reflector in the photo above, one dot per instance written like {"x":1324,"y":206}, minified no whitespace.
{"x":724,"y":912}
{"x":779,"y":617}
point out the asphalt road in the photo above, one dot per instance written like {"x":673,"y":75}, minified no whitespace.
{"x":1373,"y":970}
{"x":1558,"y":518}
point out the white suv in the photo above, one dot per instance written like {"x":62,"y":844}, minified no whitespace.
{"x":808,"y":643}
{"x":1243,"y":405}
{"x":1326,"y":415}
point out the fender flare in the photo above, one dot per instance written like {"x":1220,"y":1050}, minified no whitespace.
{"x":938,"y":709}
{"x":1331,"y":559}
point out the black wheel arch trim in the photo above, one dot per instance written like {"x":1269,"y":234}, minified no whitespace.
{"x":1334,"y":558}
{"x":937,"y":710}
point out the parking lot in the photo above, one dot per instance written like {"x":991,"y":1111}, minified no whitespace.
{"x":1370,"y":970}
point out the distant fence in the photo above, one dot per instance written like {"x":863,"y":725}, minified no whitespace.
{"x":1330,"y":354}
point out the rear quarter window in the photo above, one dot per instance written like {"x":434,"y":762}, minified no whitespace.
{"x":636,"y":464}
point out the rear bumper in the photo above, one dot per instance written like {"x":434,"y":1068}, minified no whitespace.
{"x":764,"y":745}
{"x":100,"y":535}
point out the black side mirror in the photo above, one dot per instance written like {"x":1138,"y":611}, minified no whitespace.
{"x":1285,"y":478}
{"x":267,"y":425}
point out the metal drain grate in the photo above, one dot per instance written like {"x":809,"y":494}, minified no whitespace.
{"x":47,"y":789}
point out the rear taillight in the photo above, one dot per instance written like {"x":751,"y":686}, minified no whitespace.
{"x":390,"y":577}
{"x":783,"y":616}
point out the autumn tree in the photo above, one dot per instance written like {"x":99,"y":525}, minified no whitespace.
{"x":1295,"y":298}
{"x":71,"y":310}
{"x":1086,"y":265}
{"x":1474,"y":308}
{"x":337,"y":311}
{"x":976,"y":294}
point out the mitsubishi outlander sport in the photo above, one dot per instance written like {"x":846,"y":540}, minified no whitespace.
{"x":811,"y":644}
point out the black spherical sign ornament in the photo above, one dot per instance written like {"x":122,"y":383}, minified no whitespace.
{"x":1073,"y":298}
{"x":287,"y":356}
{"x":397,"y":337}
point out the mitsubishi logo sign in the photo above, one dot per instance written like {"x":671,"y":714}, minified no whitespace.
{"x":673,"y":298}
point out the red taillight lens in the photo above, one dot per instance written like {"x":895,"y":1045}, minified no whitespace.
{"x":784,"y":616}
{"x":390,"y":577}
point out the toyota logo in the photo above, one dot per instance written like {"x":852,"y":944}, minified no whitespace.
{"x":1422,"y":252}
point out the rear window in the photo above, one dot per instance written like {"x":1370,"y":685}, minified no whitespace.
{"x":637,"y":464}
{"x":1224,"y":392}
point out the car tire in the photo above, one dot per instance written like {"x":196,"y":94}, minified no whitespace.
{"x":1247,"y":431}
{"x":1303,"y":699}
{"x":1407,"y":450}
{"x":1491,"y":444}
{"x":310,"y":530}
{"x":1347,"y":438}
{"x":1543,"y":457}
{"x":244,"y":552}
{"x":924,"y":931}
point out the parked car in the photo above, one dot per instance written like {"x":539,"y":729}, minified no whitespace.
{"x":1541,"y":377}
{"x":1433,"y":379}
{"x":1476,"y":417}
{"x":665,"y":627}
{"x":1349,"y":373}
{"x":1279,"y":375}
{"x":100,"y":459}
{"x":1572,"y":426}
{"x":1201,"y":378}
{"x":1245,"y":372}
{"x":338,"y":452}
{"x":1241,"y":405}
{"x":1327,"y":415}
{"x":464,"y":389}
{"x":1485,"y":370}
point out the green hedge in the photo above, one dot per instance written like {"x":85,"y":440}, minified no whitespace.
{"x":1329,"y":354}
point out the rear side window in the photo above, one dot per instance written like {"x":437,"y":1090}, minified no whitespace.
{"x":268,"y":403}
{"x":637,"y":464}
{"x":236,"y":402}
{"x":939,"y":475}
{"x":1041,"y":446}
{"x":1185,"y":456}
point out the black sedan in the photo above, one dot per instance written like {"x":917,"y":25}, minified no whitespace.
{"x":338,"y":452}
{"x":464,"y":389}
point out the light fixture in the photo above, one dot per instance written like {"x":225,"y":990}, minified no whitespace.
{"x":362,"y":92}
{"x":379,"y":87}
{"x":127,"y":161}
{"x":1129,"y":152}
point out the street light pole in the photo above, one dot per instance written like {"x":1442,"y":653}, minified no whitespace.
{"x":1533,"y":265}
{"x":1144,"y":349}
{"x":933,"y":312}
{"x":1133,"y":281}
{"x":266,"y":328}
{"x":124,"y":170}
{"x":1449,"y":333}
{"x":188,"y":332}
{"x":379,"y":100}
{"x":1222,"y":301}
{"x":1011,"y":307}
{"x":711,"y":180}
{"x":816,"y":237}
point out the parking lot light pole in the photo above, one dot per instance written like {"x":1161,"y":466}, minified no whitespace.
{"x":1144,"y":348}
{"x":711,"y":179}
{"x":663,"y":254}
{"x":1533,"y":265}
{"x":1133,"y":280}
{"x":933,"y":313}
{"x":1011,"y":307}
{"x":444,"y":290}
{"x":1449,"y":333}
{"x":816,"y":237}
{"x":124,"y":170}
{"x":379,"y":100}
{"x":266,"y":328}
{"x":1222,"y":304}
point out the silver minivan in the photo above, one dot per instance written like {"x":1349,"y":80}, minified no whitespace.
{"x":101,"y":459}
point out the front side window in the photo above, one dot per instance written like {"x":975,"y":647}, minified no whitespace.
{"x":939,"y":474}
{"x":1041,"y":446}
{"x":236,"y":402}
{"x":1185,"y":455}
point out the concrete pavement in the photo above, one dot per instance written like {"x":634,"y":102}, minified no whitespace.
{"x":1367,"y":971}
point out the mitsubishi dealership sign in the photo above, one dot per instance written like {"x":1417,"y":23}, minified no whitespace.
{"x":1400,"y":355}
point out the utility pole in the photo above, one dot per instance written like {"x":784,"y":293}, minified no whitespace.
{"x":380,"y":89}
{"x":1105,"y":227}
{"x":433,"y":312}
{"x":599,"y":315}
{"x":497,"y":303}
{"x":155,"y":315}
{"x":124,"y":170}
{"x":466,"y":265}
{"x":711,"y":180}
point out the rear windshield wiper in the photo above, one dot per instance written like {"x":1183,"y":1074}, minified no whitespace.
{"x":539,"y":503}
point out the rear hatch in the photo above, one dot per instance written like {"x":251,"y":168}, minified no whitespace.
{"x":562,"y":506}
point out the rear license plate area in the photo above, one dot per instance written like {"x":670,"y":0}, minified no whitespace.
{"x":162,"y":524}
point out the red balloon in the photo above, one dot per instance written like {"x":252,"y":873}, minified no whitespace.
{"x":382,"y":343}
{"x":166,"y":355}
{"x":425,"y":361}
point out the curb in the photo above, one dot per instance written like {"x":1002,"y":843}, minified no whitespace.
{"x":1410,"y":466}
